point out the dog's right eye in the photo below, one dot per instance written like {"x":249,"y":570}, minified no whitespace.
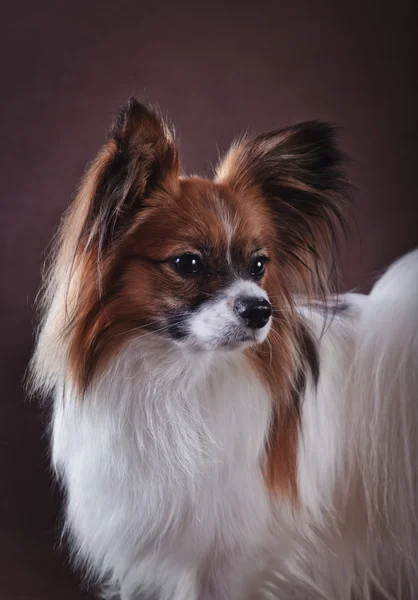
{"x":188,"y":264}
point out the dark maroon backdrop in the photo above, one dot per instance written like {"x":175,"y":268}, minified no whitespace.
{"x":215,"y":70}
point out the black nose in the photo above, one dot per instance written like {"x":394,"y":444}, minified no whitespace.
{"x":254,"y":311}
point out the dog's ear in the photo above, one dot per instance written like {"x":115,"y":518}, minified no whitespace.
{"x":138,"y":158}
{"x":298,"y":170}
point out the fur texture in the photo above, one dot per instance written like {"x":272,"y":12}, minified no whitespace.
{"x":225,"y":429}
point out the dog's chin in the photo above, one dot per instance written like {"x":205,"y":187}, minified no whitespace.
{"x":229,"y":342}
{"x":239,"y":343}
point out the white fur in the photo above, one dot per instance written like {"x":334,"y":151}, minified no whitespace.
{"x":161,"y":463}
{"x":217,"y":323}
{"x":230,"y":223}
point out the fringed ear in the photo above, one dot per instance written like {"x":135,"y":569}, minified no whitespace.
{"x":139,"y":157}
{"x":298,"y":170}
{"x":138,"y":162}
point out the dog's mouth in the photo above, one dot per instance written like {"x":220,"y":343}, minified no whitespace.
{"x":239,"y":340}
{"x":208,"y":336}
{"x":228,"y":342}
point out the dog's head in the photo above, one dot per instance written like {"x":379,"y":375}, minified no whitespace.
{"x":208,"y":264}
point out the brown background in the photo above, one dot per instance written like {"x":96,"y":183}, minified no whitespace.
{"x":215,"y":70}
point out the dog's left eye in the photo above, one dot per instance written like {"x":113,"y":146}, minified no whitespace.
{"x":258,"y":266}
{"x":188,"y":264}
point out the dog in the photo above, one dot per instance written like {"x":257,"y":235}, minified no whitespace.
{"x":225,"y":426}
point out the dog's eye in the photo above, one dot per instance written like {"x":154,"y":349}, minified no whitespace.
{"x":258,"y":266}
{"x":188,"y":264}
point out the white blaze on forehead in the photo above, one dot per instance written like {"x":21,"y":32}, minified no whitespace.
{"x":230,"y":224}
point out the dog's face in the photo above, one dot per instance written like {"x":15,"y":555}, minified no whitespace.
{"x":198,"y":267}
{"x":204,"y":264}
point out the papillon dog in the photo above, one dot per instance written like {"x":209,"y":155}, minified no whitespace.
{"x":224,"y":425}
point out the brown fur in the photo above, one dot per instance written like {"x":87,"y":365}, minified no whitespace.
{"x":134,"y":213}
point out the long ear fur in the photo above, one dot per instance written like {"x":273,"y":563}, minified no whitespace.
{"x":139,"y":159}
{"x":299,"y":172}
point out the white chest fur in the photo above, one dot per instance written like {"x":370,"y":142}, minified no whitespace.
{"x":161,"y":462}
